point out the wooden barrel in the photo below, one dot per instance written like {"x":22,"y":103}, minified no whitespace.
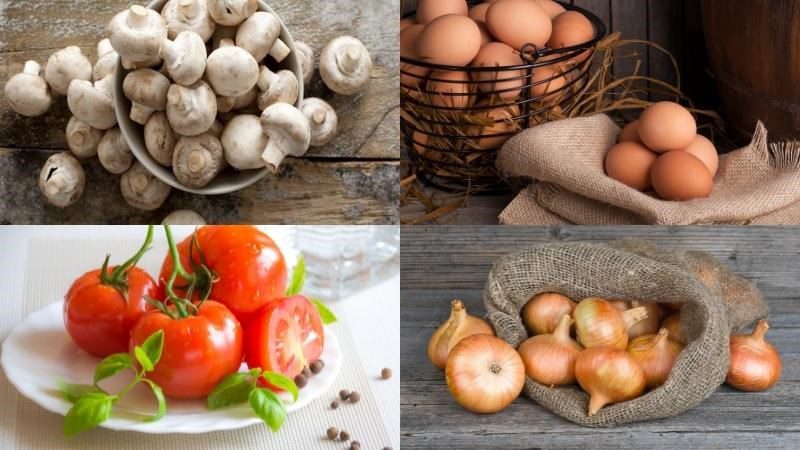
{"x":754,"y":52}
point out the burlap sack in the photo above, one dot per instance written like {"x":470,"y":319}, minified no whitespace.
{"x":628,"y":270}
{"x":754,"y":181}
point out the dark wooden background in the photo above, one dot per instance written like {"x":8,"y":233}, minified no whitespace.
{"x":442,"y":263}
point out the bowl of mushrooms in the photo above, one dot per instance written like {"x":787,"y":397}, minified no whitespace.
{"x":191,"y":82}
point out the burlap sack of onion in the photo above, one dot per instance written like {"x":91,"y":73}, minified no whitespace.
{"x":604,"y":335}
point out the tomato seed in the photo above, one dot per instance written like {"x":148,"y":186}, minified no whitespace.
{"x":316,"y":366}
{"x":332,"y":433}
{"x":301,"y":381}
{"x":354,"y":397}
{"x":334,"y":404}
{"x":343,"y":394}
{"x":386,"y":373}
{"x":344,"y":435}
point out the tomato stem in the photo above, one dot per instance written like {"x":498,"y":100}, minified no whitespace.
{"x":182,"y":305}
{"x":118,"y":278}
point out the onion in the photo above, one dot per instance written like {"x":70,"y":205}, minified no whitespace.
{"x":542,"y":312}
{"x":673,"y":324}
{"x":755,"y":364}
{"x":457,"y":327}
{"x":621,"y":305}
{"x":550,"y":358}
{"x":656,"y":354}
{"x":599,"y":323}
{"x":648,"y":325}
{"x":609,"y":375}
{"x":484,"y":373}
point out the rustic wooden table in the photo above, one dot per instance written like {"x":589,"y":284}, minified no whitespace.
{"x":354,"y":179}
{"x":442,"y":263}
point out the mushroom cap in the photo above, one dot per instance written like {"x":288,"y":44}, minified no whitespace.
{"x":345,"y":65}
{"x":247,"y":99}
{"x":188,"y":15}
{"x":231,"y":71}
{"x":92,"y":104}
{"x":113,"y":152}
{"x":82,"y":139}
{"x":258,"y":34}
{"x":231,"y":12}
{"x":183,"y":217}
{"x":307,"y":60}
{"x":137,"y":33}
{"x":191,"y":110}
{"x":289,"y":133}
{"x":281,"y":87}
{"x":104,"y":47}
{"x":105,"y":66}
{"x":64,"y":66}
{"x":28,"y":93}
{"x":321,"y":118}
{"x":159,"y":139}
{"x":197,"y":160}
{"x":243,"y":141}
{"x":142,"y":190}
{"x":62,"y":180}
{"x":185,"y":57}
{"x":147,"y":87}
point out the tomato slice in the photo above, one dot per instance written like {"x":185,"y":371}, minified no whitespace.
{"x":284,"y":336}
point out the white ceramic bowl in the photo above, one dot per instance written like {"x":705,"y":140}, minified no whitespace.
{"x":227,"y":181}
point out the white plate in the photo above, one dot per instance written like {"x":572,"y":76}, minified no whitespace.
{"x":39,"y":351}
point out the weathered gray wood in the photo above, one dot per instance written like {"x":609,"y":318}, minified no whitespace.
{"x":442,"y":263}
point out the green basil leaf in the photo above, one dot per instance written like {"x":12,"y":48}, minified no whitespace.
{"x":153,"y":346}
{"x":73,"y":392}
{"x":283,"y":382}
{"x":298,"y":277}
{"x":232,"y":390}
{"x":162,"y":402}
{"x":268,"y":407}
{"x":325,"y":314}
{"x":112,"y":365}
{"x":144,"y":360}
{"x":88,"y":412}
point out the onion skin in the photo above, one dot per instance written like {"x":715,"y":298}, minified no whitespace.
{"x":543,"y":312}
{"x":755,"y":364}
{"x":450,"y":333}
{"x":550,"y":358}
{"x":648,"y":325}
{"x":673,"y":324}
{"x":609,"y":375}
{"x":621,"y":305}
{"x":599,"y":323}
{"x":484,"y":373}
{"x":656,"y":354}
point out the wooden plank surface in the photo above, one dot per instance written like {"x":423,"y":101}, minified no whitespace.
{"x":368,"y":122}
{"x":442,"y":263}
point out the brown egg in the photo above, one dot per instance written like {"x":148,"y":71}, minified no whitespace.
{"x":405,"y":23}
{"x":667,"y":126}
{"x":496,"y":54}
{"x":705,"y":151}
{"x":486,"y":37}
{"x":569,"y":29}
{"x":549,"y":81}
{"x":630,"y":164}
{"x":428,"y":10}
{"x":449,"y":82}
{"x":478,"y":12}
{"x":503,"y":123}
{"x":680,"y":176}
{"x":630,"y":133}
{"x":413,"y":75}
{"x":552,"y":8}
{"x":451,"y":40}
{"x":519,"y":22}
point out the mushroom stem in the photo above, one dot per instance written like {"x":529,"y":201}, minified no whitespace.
{"x":140,"y":113}
{"x":196,"y":161}
{"x":318,"y":116}
{"x":274,"y":153}
{"x":265,"y":78}
{"x":189,"y":9}
{"x":32,"y":68}
{"x":279,"y":50}
{"x":226,"y":42}
{"x":137,"y":17}
{"x":139,"y":182}
{"x":56,"y":183}
{"x":348,"y":59}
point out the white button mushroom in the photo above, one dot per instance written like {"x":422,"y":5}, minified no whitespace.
{"x":106,"y":60}
{"x":82,"y":139}
{"x":147,"y":91}
{"x":197,"y":160}
{"x":222,"y":33}
{"x":306,"y":55}
{"x":288,"y":131}
{"x":159,"y":139}
{"x":188,"y":15}
{"x":321,"y":118}
{"x":191,"y":110}
{"x":185,"y":57}
{"x":61,"y":180}
{"x":142,"y":190}
{"x":230,"y":70}
{"x":27,"y":92}
{"x":231,"y":12}
{"x":133,"y":65}
{"x":64,"y":66}
{"x":243,"y":142}
{"x":183,"y":217}
{"x":259,"y":36}
{"x":137,"y":34}
{"x":277,"y":87}
{"x":345,"y":65}
{"x":113,"y":152}
{"x":92,"y":103}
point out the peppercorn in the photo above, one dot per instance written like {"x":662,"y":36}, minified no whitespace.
{"x":316,"y":366}
{"x":344,"y":435}
{"x":334,"y":404}
{"x":301,"y":381}
{"x":386,"y":373}
{"x":332,"y":433}
{"x":355,"y":445}
{"x":343,"y":394}
{"x":354,"y":397}
{"x":306,"y":372}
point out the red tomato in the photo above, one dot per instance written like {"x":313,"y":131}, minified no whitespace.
{"x":284,"y":336}
{"x":97,"y":315}
{"x":199,"y":351}
{"x":250,"y":268}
